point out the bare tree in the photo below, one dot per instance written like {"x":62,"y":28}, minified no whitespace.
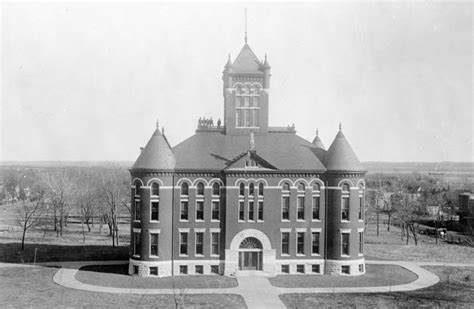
{"x":408,"y":212}
{"x":28,"y":215}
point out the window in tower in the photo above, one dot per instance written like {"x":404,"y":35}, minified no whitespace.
{"x":247,"y":104}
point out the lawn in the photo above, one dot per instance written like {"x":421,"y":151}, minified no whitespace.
{"x":32,"y":287}
{"x":116,"y":276}
{"x":377,"y":275}
{"x":458,"y":292}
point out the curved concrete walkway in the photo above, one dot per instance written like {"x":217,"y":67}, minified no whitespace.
{"x":256,"y":291}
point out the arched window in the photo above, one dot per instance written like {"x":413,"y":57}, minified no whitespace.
{"x":184,"y":188}
{"x":250,"y":243}
{"x":286,"y":186}
{"x":316,"y":186}
{"x":200,"y":188}
{"x":361,"y":186}
{"x":216,"y":189}
{"x":137,"y":187}
{"x":242,"y":189}
{"x":345,"y":187}
{"x":301,"y":186}
{"x":251,"y":189}
{"x":260,"y":189}
{"x":155,"y":189}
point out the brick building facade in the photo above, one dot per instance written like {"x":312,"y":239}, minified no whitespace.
{"x":245,"y":196}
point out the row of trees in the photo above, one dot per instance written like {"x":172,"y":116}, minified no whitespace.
{"x":86,"y":193}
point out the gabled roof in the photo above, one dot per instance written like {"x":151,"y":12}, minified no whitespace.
{"x":341,"y":157}
{"x":216,"y":151}
{"x":241,"y":161}
{"x":246,"y":62}
{"x":156,"y":155}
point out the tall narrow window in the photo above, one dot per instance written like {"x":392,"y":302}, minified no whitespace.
{"x":154,"y":244}
{"x":300,"y":210}
{"x":155,"y":211}
{"x":137,"y":188}
{"x":260,"y":211}
{"x":315,"y":243}
{"x":345,"y":188}
{"x":251,"y":189}
{"x":260,"y":189}
{"x":315,"y":214}
{"x":136,"y":243}
{"x":184,"y":211}
{"x":183,"y":243}
{"x":286,"y":187}
{"x":199,"y":243}
{"x":155,"y":189}
{"x":216,"y":190}
{"x":316,"y":187}
{"x":200,"y":188}
{"x":184,"y":189}
{"x":285,"y":243}
{"x":241,"y":189}
{"x":215,"y":211}
{"x":285,"y":208}
{"x":214,"y":243}
{"x":361,"y":208}
{"x":251,"y":209}
{"x":345,"y":243}
{"x":199,"y":210}
{"x":301,"y":186}
{"x":247,"y":106}
{"x":137,"y":210}
{"x":241,"y":211}
{"x":361,"y":242}
{"x":300,"y":243}
{"x":345,"y":208}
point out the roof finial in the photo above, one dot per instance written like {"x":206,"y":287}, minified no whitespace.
{"x":157,"y":124}
{"x":252,"y":141}
{"x":163,"y":130}
{"x":245,"y":26}
{"x":340,"y":126}
{"x":317,"y":133}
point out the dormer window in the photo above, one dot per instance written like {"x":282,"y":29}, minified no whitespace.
{"x":247,"y":105}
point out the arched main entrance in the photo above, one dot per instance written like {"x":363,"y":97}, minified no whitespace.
{"x":250,"y":254}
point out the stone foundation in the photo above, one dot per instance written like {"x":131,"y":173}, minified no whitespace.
{"x":334,"y":267}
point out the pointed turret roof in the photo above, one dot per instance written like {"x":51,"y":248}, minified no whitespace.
{"x":318,"y":142}
{"x":246,"y":62}
{"x":341,"y":157}
{"x":157,"y":154}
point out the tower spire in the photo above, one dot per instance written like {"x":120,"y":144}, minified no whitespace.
{"x":340,"y":126}
{"x":245,"y":39}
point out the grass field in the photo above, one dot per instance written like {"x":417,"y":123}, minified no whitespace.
{"x":377,"y":275}
{"x":32,"y":287}
{"x":458,"y":292}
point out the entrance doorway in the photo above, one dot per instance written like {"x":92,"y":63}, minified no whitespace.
{"x":250,"y":254}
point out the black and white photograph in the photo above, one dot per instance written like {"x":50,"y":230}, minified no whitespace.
{"x":264,"y":154}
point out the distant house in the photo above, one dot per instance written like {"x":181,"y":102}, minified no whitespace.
{"x":466,"y":208}
{"x":432,"y":210}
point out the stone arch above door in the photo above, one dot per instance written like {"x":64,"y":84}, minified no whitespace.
{"x":239,"y":237}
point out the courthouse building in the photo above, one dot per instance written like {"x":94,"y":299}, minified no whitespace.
{"x":242,"y":196}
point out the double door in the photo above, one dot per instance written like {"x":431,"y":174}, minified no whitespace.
{"x":250,"y":260}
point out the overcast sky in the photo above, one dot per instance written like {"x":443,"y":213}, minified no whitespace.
{"x":88,"y":81}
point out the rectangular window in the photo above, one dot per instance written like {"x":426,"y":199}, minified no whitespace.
{"x":184,"y":211}
{"x":300,"y":214}
{"x":136,"y":269}
{"x":214,"y":269}
{"x":260,"y":211}
{"x":315,"y":243}
{"x":154,"y":271}
{"x":361,"y":268}
{"x":137,"y":243}
{"x":155,"y":211}
{"x":285,"y":243}
{"x":137,"y":210}
{"x":251,"y":210}
{"x":300,"y":243}
{"x":200,"y":211}
{"x":361,"y":208}
{"x":315,"y":268}
{"x":345,"y":243}
{"x":345,"y":269}
{"x":241,"y":211}
{"x":154,"y":244}
{"x":285,"y":208}
{"x":199,"y":243}
{"x":183,"y":269}
{"x":316,"y":207}
{"x":285,"y":269}
{"x":345,"y":208}
{"x":214,"y":243}
{"x":215,"y":211}
{"x":361,"y":242}
{"x":183,"y":243}
{"x":300,"y":269}
{"x":199,"y":269}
